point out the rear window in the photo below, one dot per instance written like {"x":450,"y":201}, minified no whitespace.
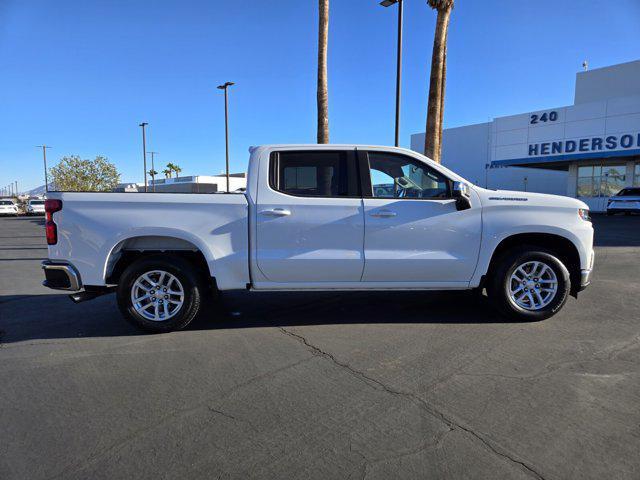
{"x":6,"y":202}
{"x":314,"y":174}
{"x":629,"y":192}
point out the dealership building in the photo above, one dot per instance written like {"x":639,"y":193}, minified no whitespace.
{"x":589,"y":150}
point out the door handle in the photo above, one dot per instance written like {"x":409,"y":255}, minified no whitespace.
{"x":383,"y":214}
{"x":276,"y":212}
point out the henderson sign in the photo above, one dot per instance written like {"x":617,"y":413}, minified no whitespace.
{"x":589,"y":144}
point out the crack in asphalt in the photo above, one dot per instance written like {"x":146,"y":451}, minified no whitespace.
{"x":450,"y":422}
{"x":224,"y":414}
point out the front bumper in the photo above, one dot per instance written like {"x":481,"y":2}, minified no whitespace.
{"x":585,"y":278}
{"x":585,"y":274}
{"x":61,"y":276}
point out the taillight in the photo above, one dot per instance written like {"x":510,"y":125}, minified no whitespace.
{"x":50,"y":207}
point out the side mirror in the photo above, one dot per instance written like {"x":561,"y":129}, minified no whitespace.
{"x":460,"y":192}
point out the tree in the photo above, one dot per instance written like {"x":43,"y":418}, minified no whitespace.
{"x":323,"y":91}
{"x":435,"y":107}
{"x":153,"y":174}
{"x":172,"y":167}
{"x":78,"y":175}
{"x":167,"y":172}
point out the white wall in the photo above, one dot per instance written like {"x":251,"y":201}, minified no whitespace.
{"x":604,"y":122}
{"x":465,"y":150}
{"x":602,"y":83}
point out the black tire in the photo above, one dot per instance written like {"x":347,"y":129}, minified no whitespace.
{"x":180,"y":269}
{"x":500,"y":281}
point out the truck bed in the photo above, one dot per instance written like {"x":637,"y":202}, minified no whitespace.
{"x":93,"y":228}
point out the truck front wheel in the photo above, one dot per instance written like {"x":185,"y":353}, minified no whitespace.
{"x":529,"y":284}
{"x":159,"y":293}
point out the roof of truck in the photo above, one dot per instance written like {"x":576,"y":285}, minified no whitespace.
{"x":322,"y":146}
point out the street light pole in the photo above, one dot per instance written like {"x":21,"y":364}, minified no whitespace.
{"x":226,"y":126}
{"x":44,"y":158}
{"x":388,"y":3}
{"x":153,"y":169}
{"x":144,"y":154}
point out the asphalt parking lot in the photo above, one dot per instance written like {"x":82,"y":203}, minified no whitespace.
{"x":377,"y":386}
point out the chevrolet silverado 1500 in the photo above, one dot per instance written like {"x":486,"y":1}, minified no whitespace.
{"x":320,"y":217}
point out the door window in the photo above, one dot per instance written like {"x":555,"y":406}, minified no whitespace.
{"x":398,"y":176}
{"x":314,"y":173}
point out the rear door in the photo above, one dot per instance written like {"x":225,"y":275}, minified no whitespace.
{"x":413,"y":231}
{"x":310,"y":220}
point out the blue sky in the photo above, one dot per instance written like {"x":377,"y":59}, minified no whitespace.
{"x":81,"y":75}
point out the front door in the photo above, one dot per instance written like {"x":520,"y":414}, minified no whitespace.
{"x":310,"y":221}
{"x":413,"y":231}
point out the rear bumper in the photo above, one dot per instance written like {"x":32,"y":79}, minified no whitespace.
{"x":61,"y":276}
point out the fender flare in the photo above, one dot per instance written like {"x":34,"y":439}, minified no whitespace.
{"x":492,"y":241}
{"x":166,"y":232}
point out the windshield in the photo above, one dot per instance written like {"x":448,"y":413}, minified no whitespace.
{"x":6,"y":202}
{"x":629,"y":192}
{"x":37,"y":202}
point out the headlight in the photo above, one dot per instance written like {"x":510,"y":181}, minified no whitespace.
{"x":583,"y":213}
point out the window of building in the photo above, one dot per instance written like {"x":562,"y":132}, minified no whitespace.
{"x":636,"y":175}
{"x":314,"y":174}
{"x":600,"y":180}
{"x":398,"y":176}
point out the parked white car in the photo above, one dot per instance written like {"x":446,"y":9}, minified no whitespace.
{"x":8,"y":207}
{"x":626,"y":201}
{"x":320,"y":217}
{"x":35,"y":207}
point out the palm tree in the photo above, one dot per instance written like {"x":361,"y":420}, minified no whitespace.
{"x":153,"y":174}
{"x":174,"y":168}
{"x":435,"y":108}
{"x":167,"y":172}
{"x":323,"y":91}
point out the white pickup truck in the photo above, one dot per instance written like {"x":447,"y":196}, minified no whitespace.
{"x":320,"y":217}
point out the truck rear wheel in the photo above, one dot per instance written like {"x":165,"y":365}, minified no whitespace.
{"x":159,"y":293}
{"x":529,"y":284}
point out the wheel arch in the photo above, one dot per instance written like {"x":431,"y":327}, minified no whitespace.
{"x":561,"y":246}
{"x":131,"y":248}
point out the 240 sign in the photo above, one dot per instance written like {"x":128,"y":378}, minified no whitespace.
{"x":551,"y":116}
